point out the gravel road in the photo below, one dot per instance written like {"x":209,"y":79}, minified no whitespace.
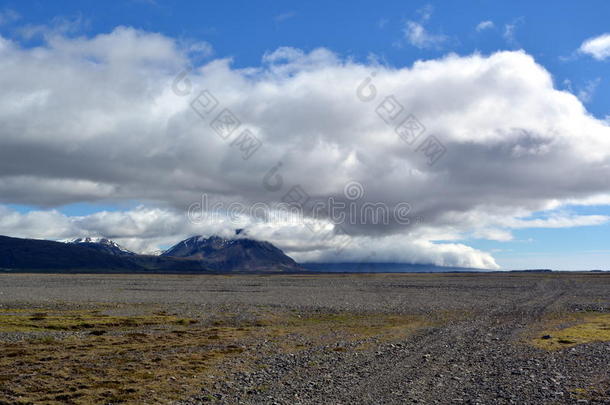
{"x":478,"y":354}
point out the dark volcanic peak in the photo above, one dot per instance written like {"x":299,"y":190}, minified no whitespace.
{"x":236,"y":254}
{"x":197,"y":246}
{"x":103,"y":245}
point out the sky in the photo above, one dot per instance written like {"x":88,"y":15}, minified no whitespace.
{"x":471,"y":134}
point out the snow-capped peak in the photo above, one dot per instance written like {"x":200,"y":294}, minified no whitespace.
{"x":89,"y":239}
{"x":108,"y":245}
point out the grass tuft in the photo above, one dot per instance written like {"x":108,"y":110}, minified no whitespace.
{"x":583,"y":328}
{"x":81,"y":320}
{"x":160,"y":357}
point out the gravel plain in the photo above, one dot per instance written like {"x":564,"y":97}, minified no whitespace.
{"x":471,"y":340}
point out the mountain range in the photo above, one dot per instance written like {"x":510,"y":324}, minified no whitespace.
{"x":195,"y":254}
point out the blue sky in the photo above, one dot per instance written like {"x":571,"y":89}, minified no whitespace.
{"x":245,"y":30}
{"x":365,"y":31}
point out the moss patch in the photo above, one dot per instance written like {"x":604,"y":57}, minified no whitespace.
{"x":157,"y":357}
{"x":596,"y":391}
{"x":21,"y":321}
{"x":574,"y":330}
{"x":123,"y":359}
{"x":135,"y":368}
{"x":291,"y":330}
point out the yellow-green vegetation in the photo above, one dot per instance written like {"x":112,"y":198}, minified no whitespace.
{"x":20,"y":321}
{"x":133,"y":368}
{"x":573,"y":330}
{"x":351,"y":326}
{"x":152,"y":358}
{"x":156,"y":357}
{"x":595,"y":391}
{"x":295,"y":331}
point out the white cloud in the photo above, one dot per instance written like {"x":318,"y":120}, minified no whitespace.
{"x":498,"y":225}
{"x":417,"y":35}
{"x":500,"y":235}
{"x":510,"y":31}
{"x":144,"y":230}
{"x":425,"y":12}
{"x":561,"y":221}
{"x":58,"y":26}
{"x":8,"y":16}
{"x":484,"y":25}
{"x":95,"y":119}
{"x":200,"y":48}
{"x":284,"y":16}
{"x":597,"y":47}
{"x":586,"y":93}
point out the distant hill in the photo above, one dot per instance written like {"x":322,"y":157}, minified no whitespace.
{"x":33,"y":254}
{"x":239,"y":254}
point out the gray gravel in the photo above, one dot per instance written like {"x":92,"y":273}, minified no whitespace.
{"x":480,"y":359}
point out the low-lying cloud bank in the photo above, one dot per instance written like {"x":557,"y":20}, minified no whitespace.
{"x":109,"y":119}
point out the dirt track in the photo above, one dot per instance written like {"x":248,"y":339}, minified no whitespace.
{"x":471,"y":343}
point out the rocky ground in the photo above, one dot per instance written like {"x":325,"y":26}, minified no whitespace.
{"x":320,"y":339}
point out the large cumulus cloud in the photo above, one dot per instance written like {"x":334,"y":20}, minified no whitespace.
{"x":99,"y":119}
